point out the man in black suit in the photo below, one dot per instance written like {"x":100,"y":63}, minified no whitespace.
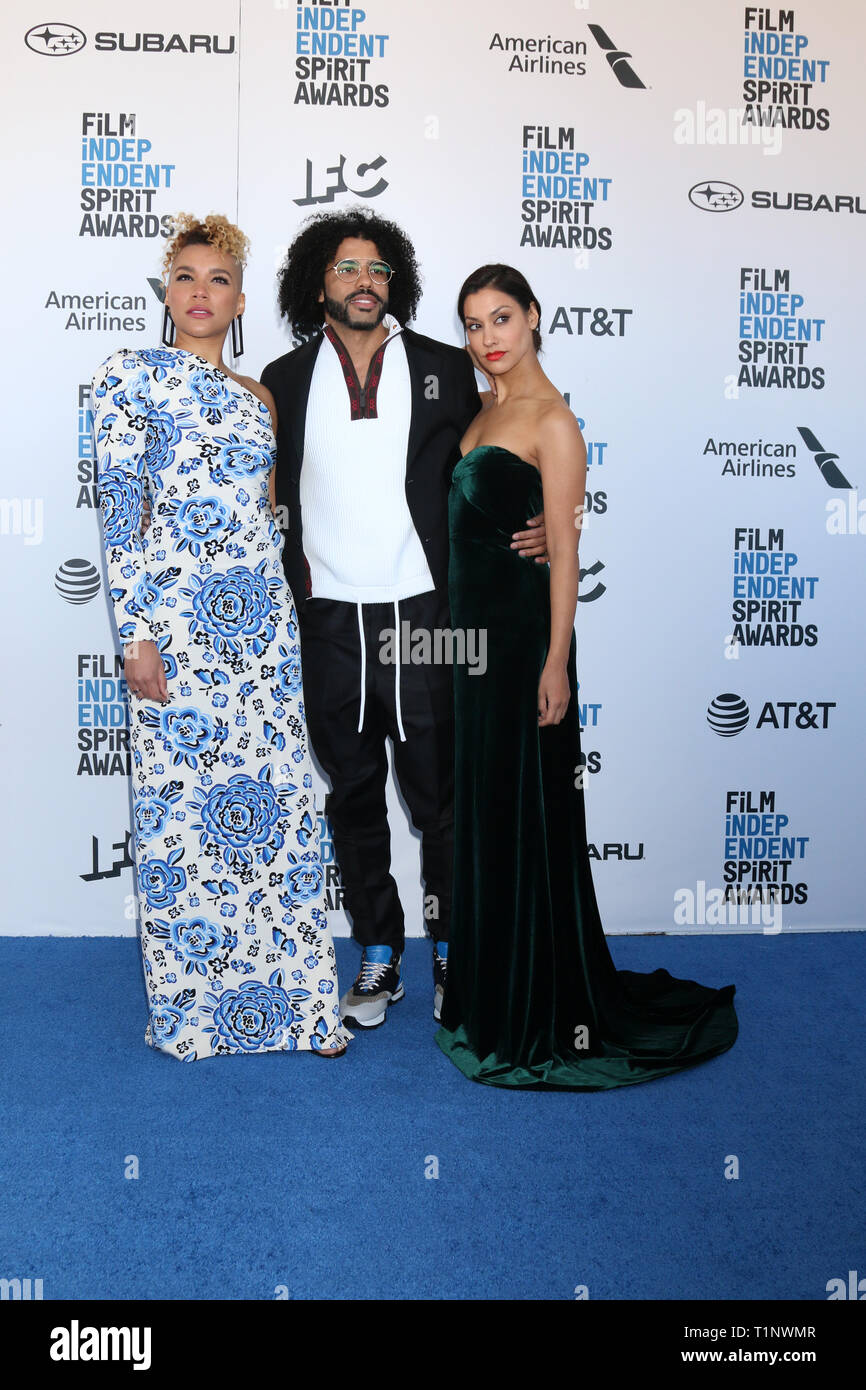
{"x":370,"y":418}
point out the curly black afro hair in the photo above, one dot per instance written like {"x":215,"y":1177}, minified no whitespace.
{"x":302,"y":273}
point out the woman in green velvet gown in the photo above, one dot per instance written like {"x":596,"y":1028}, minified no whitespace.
{"x":533,"y":998}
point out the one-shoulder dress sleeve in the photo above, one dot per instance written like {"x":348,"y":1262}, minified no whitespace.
{"x":120,"y":398}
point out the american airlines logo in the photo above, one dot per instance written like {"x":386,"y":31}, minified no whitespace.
{"x":616,"y":57}
{"x":832,"y":475}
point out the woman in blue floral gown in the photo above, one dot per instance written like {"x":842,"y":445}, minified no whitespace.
{"x":238,"y":956}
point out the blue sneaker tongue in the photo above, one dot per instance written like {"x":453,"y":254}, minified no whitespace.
{"x":379,"y":955}
{"x":442,"y":950}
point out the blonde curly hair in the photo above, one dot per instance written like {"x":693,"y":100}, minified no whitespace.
{"x":214,"y":230}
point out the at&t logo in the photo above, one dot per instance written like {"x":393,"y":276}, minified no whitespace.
{"x":729,"y":714}
{"x":77,"y":581}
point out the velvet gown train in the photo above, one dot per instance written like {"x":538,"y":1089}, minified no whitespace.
{"x":528,"y":962}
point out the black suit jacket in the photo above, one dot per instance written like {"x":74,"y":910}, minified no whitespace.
{"x":444,"y":400}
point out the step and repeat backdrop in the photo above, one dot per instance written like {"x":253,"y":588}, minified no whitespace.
{"x":683,"y":188}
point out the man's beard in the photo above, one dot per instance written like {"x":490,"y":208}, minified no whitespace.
{"x":339,"y":310}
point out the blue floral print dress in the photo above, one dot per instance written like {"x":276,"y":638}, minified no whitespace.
{"x":238,"y":956}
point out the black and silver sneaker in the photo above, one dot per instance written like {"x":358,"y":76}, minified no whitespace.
{"x":378,"y":984}
{"x":440,"y":967}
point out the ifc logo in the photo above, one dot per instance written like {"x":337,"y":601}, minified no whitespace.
{"x":713,"y":195}
{"x":77,"y":581}
{"x":55,"y":40}
{"x":728,"y":715}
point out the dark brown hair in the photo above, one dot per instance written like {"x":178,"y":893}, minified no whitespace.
{"x":507,"y":279}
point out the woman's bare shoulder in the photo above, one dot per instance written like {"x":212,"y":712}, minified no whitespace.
{"x":557,"y":427}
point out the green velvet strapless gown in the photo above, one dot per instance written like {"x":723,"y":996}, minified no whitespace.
{"x":533,"y":998}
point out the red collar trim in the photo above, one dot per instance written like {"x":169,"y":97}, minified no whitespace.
{"x":362,"y":400}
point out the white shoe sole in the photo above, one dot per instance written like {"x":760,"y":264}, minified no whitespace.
{"x":438,"y":997}
{"x":378,"y":1019}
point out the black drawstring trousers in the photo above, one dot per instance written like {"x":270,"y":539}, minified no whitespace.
{"x":417,"y":715}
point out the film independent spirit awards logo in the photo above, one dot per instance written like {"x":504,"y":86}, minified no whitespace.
{"x":55,"y":40}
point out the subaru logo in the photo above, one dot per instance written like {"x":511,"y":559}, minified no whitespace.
{"x":713,"y":195}
{"x":55,"y":40}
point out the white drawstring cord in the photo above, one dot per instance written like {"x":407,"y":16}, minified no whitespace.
{"x":397,"y":706}
{"x":363,"y":668}
{"x":397,"y":676}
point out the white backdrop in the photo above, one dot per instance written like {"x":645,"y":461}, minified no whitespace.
{"x":663,"y":209}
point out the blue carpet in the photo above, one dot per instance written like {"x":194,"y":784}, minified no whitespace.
{"x":289,"y":1171}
